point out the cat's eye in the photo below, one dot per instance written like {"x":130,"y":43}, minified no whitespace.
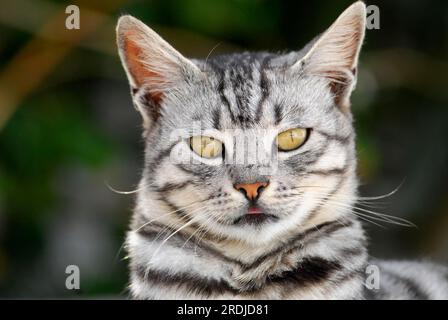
{"x":291,"y":139}
{"x":206,"y":147}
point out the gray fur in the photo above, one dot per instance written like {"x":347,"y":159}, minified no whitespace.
{"x":189,"y":236}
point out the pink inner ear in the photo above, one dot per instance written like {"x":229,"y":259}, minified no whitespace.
{"x":138,"y":70}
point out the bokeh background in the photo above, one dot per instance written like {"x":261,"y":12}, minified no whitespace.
{"x":68,"y":128}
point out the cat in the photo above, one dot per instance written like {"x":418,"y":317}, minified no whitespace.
{"x":213,"y":219}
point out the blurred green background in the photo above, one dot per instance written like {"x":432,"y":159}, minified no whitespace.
{"x":68,"y":128}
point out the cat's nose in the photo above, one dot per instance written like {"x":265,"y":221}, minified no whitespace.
{"x":251,"y":190}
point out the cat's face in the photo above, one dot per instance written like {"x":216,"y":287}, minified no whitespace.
{"x":246,"y":146}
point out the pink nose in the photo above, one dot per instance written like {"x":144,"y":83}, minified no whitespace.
{"x":251,"y":190}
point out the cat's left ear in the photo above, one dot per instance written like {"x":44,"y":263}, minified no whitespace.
{"x":335,"y":53}
{"x":154,"y":68}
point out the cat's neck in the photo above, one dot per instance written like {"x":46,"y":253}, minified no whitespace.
{"x":314,"y":260}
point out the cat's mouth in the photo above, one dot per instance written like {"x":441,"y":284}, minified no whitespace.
{"x":254,"y":210}
{"x":254,"y":216}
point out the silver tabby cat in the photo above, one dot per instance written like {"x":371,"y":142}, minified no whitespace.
{"x":249,"y":185}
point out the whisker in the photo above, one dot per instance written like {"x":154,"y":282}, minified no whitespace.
{"x":211,"y":51}
{"x":163,"y":229}
{"x":366,"y":203}
{"x":385,"y":195}
{"x":175,"y":223}
{"x":364,"y":218}
{"x":204,"y":231}
{"x":168,"y":213}
{"x":360,"y":216}
{"x":389,"y":218}
{"x":395,"y":190}
{"x":165,"y":240}
{"x":198,"y":230}
{"x":364,"y":212}
{"x":122,"y":192}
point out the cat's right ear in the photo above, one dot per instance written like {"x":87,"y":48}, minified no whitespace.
{"x":154,"y":68}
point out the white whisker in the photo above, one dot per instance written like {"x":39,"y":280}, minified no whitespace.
{"x":168,"y":213}
{"x":362,"y":211}
{"x":121,"y":192}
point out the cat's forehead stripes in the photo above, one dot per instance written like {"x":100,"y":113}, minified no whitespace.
{"x":242,"y":87}
{"x":248,"y":92}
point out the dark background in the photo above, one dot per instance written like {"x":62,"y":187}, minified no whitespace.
{"x":68,"y":128}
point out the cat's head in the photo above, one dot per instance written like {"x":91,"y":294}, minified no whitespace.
{"x":246,"y":146}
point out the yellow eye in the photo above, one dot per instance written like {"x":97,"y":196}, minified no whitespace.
{"x":206,"y":147}
{"x":291,"y":139}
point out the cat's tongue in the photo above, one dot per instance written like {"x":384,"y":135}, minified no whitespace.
{"x":254,"y":210}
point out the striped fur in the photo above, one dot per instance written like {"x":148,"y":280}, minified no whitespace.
{"x":310,"y":265}
{"x":190,"y":237}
